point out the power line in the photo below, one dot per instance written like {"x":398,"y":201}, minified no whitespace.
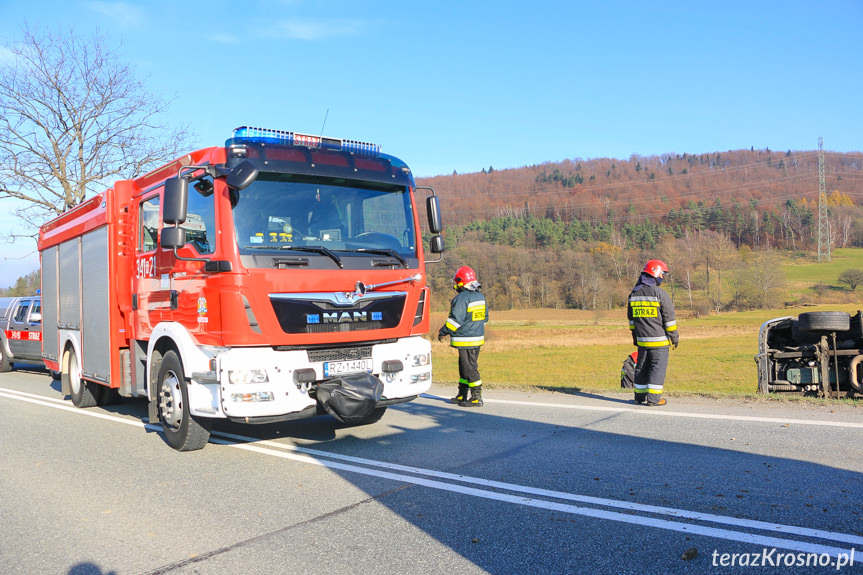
{"x":823,"y":222}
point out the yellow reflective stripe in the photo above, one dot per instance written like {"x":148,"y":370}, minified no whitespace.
{"x":670,"y":327}
{"x":466,"y":342}
{"x":633,"y":303}
{"x":474,"y":383}
{"x":653,"y":343}
{"x":654,"y":391}
{"x":451,"y":324}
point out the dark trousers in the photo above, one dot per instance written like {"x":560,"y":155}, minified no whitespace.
{"x":468,"y":367}
{"x":650,"y":373}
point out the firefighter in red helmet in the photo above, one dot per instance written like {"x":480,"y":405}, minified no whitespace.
{"x":465,"y":327}
{"x":654,"y":329}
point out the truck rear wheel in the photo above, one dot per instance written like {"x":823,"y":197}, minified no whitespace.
{"x":84,"y":393}
{"x":183,"y":431}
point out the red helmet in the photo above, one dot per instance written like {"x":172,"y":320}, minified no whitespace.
{"x":656,"y":268}
{"x":463,"y":277}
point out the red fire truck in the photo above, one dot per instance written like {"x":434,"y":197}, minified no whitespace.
{"x":276,"y":277}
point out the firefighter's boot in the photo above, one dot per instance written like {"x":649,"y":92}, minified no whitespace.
{"x":461,"y":395}
{"x":475,"y":398}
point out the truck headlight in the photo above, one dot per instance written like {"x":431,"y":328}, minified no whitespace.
{"x":421,"y":359}
{"x":248,"y":376}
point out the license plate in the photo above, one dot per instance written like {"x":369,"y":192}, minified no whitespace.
{"x":333,"y":368}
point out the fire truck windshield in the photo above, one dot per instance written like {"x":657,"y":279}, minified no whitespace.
{"x":289,"y":212}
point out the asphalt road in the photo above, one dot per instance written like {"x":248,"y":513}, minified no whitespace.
{"x":539,"y":483}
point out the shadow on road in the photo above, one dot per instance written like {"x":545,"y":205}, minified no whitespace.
{"x":577,"y":455}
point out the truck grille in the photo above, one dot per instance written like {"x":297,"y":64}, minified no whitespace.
{"x":314,"y":314}
{"x":342,"y":354}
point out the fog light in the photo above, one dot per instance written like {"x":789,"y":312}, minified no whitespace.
{"x":252,"y":397}
{"x":420,"y":377}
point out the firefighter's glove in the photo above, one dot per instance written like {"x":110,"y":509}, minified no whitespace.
{"x":674,"y":345}
{"x":441,"y":336}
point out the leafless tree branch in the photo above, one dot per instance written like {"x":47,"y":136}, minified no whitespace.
{"x":73,"y":119}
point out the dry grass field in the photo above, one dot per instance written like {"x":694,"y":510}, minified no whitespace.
{"x":580,"y":351}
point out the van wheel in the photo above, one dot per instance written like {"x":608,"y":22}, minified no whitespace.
{"x":183,"y":431}
{"x":84,"y":393}
{"x":5,"y":364}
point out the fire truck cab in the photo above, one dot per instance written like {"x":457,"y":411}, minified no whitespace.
{"x":275,"y":277}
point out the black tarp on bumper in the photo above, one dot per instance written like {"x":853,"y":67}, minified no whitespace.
{"x":350,"y":398}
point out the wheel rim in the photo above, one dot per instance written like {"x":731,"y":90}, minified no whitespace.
{"x":74,"y":375}
{"x":171,"y":401}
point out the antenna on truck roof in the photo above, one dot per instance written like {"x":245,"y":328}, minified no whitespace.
{"x":325,"y":122}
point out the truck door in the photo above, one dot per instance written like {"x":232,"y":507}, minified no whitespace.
{"x":25,"y":342}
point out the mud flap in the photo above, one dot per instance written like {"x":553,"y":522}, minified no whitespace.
{"x":350,"y":398}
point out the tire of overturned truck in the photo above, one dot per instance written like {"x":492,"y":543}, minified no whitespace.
{"x":183,"y":431}
{"x":824,"y":321}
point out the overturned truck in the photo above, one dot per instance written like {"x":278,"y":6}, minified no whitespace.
{"x":817,"y":353}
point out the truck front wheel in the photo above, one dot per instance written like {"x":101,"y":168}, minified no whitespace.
{"x":183,"y":431}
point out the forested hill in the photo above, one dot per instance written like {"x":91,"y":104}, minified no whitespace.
{"x":755,"y":196}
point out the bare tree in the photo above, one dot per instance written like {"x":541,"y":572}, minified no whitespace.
{"x":73,"y":118}
{"x":767,"y":277}
{"x":718,"y":254}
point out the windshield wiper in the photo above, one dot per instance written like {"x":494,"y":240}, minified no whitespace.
{"x":314,"y":249}
{"x":381,"y":252}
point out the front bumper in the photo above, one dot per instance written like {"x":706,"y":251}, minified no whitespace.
{"x":264,"y":384}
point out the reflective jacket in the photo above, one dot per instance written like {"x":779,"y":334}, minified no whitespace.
{"x":651,"y":315}
{"x":467,"y":317}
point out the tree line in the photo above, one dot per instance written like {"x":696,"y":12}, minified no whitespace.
{"x":708,"y":274}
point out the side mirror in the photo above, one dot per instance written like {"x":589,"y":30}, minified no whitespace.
{"x":172,"y":238}
{"x":241,"y":176}
{"x":175,"y":201}
{"x":36,"y":317}
{"x":436,"y":245}
{"x":433,"y":209}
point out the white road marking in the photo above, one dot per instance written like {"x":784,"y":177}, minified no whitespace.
{"x":321,"y":458}
{"x":664,"y":412}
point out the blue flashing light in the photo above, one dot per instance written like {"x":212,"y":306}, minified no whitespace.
{"x":282,"y":137}
{"x":313,"y":318}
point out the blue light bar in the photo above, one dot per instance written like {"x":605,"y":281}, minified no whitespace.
{"x":282,"y":137}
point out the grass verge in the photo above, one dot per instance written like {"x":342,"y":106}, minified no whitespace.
{"x":577,"y":351}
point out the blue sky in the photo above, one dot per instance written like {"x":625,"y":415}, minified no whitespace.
{"x":464,"y":85}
